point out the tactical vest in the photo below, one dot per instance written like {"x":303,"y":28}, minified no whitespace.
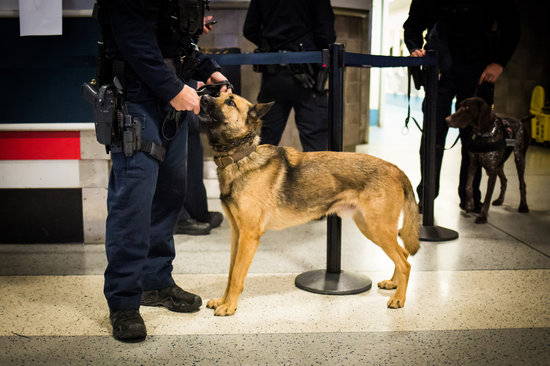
{"x":177,"y":23}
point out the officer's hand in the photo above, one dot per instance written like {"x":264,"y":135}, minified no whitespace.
{"x":187,"y":100}
{"x":491,"y":73}
{"x":217,"y":77}
{"x":418,"y":53}
{"x":206,"y":28}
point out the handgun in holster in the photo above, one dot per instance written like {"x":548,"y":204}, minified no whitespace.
{"x":321,"y":80}
{"x":104,"y":103}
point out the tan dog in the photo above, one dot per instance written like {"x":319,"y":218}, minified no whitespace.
{"x":266,"y":187}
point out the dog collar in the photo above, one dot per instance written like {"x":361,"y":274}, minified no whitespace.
{"x":226,"y":160}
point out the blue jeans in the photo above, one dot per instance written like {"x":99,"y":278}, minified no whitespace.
{"x":144,"y":199}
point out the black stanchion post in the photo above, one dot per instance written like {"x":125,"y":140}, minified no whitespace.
{"x":334,"y":281}
{"x":335,"y":143}
{"x":428,"y":231}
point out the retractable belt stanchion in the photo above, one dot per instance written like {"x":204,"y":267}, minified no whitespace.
{"x":333,"y":280}
{"x":428,"y":231}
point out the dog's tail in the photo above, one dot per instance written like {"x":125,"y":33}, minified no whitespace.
{"x":411,"y":218}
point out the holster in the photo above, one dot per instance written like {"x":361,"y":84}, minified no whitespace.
{"x":104,"y":103}
{"x":117,"y":130}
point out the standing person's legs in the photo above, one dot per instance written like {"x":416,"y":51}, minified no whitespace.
{"x":131,"y":189}
{"x":312,"y":121}
{"x":274,"y":88}
{"x":167,"y":203}
{"x":445,"y":95}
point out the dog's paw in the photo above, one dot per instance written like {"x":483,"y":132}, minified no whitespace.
{"x":523,"y":208}
{"x":396,"y":302}
{"x":214,"y":303}
{"x":498,"y":202}
{"x":387,"y":285}
{"x":481,"y":220}
{"x":225,"y":310}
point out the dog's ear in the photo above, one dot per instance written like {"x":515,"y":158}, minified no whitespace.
{"x":484,"y":117}
{"x":259,"y":110}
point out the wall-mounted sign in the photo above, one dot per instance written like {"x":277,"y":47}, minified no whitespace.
{"x":40,"y":17}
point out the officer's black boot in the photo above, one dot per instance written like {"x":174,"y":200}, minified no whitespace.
{"x":128,"y":326}
{"x":173,"y":298}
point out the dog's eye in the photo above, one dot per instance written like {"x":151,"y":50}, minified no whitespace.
{"x":230,"y":102}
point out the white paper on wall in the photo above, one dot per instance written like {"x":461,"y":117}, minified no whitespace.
{"x":40,"y":17}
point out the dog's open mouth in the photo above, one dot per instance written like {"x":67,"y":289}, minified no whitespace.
{"x":204,"y":115}
{"x":209,"y":115}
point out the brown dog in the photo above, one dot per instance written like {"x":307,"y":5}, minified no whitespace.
{"x":493,"y":140}
{"x":268,"y":187}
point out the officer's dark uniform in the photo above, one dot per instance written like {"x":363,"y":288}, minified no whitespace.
{"x":469,"y":35}
{"x":275,"y":25}
{"x":145,"y":195}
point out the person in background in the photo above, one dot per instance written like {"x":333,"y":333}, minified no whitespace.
{"x":195,"y":219}
{"x":475,"y":39}
{"x":293,"y":25}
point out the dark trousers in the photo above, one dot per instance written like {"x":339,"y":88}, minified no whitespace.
{"x":195,"y":205}
{"x":311,"y":111}
{"x":144,"y":200}
{"x":461,"y":84}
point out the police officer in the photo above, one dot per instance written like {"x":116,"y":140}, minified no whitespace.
{"x":293,"y":25}
{"x":475,"y":40}
{"x":151,"y":46}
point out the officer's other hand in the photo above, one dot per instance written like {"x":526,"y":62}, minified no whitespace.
{"x":491,"y":73}
{"x":217,"y":77}
{"x":206,"y":28}
{"x":418,"y":53}
{"x":187,"y":100}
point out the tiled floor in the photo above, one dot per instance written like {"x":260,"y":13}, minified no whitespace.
{"x":483,"y":299}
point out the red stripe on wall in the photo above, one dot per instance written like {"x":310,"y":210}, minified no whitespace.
{"x":39,"y":145}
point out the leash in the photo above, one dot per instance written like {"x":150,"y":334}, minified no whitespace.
{"x":409,"y":117}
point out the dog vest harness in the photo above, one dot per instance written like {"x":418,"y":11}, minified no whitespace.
{"x":483,"y":143}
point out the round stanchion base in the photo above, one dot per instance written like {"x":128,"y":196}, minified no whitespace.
{"x":437,"y":233}
{"x":322,"y":282}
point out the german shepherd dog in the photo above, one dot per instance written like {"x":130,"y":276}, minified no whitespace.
{"x":266,"y":187}
{"x":489,"y":149}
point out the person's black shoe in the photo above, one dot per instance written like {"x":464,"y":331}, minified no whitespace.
{"x":173,"y":298}
{"x":192,"y":227}
{"x":128,"y":326}
{"x":216,"y":219}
